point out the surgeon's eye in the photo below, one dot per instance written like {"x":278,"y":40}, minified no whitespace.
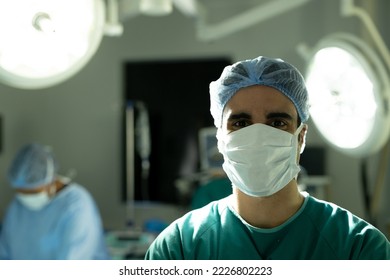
{"x":240,"y":124}
{"x":280,"y":124}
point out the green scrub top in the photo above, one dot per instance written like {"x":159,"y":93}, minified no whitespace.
{"x":211,"y":191}
{"x":318,"y":231}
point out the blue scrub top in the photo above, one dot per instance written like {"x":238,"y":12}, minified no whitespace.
{"x":69,"y":227}
{"x":318,"y":231}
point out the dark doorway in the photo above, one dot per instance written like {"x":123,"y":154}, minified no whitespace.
{"x":176,"y":97}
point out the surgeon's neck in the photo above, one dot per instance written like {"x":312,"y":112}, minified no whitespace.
{"x":268,"y":212}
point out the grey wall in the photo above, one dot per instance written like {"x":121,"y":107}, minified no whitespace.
{"x":80,"y":117}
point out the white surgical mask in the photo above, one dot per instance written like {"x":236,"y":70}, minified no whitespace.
{"x":36,"y":201}
{"x":259,"y":159}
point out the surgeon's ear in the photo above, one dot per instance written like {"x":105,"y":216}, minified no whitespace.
{"x":302,"y":139}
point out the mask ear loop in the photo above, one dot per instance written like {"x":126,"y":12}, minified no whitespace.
{"x":297,"y":134}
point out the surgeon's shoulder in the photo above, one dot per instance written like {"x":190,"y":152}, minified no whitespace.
{"x":179,"y":238}
{"x":348,"y":233}
{"x":75,"y":196}
{"x":326,"y":213}
{"x":74,"y":191}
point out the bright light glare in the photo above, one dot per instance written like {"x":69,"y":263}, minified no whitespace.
{"x":342,"y":99}
{"x":55,"y":44}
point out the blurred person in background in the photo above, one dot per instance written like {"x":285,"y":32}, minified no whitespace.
{"x":51,"y":217}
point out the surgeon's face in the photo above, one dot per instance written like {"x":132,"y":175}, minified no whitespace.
{"x":260,"y":104}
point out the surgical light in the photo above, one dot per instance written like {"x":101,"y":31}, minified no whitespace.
{"x":44,"y":42}
{"x":349,"y":95}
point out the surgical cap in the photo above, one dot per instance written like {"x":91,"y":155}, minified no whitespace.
{"x":272,"y":72}
{"x":33,"y":166}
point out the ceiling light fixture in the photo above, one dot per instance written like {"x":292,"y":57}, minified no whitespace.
{"x":46,"y":42}
{"x":349,"y":95}
{"x":156,"y":7}
{"x":349,"y":89}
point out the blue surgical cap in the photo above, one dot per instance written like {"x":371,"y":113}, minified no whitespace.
{"x":272,"y":72}
{"x":33,"y":166}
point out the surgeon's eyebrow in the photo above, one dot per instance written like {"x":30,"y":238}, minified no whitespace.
{"x":279,"y":115}
{"x":239,"y":116}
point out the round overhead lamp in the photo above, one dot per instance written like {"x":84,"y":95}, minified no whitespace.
{"x":349,"y":95}
{"x":45,"y":42}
